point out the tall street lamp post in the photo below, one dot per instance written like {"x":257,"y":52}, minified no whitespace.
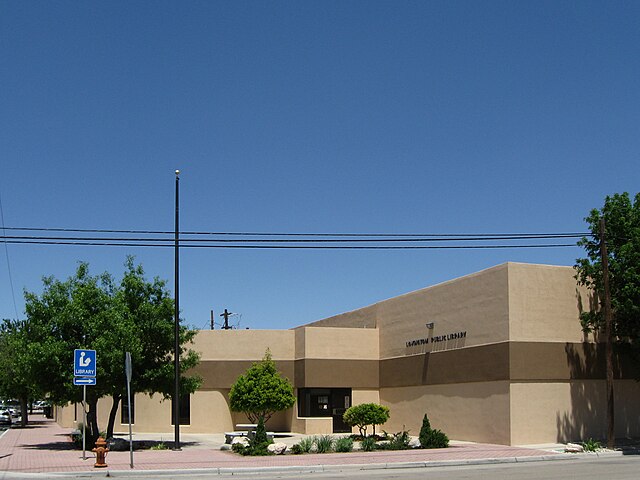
{"x":176,"y":359}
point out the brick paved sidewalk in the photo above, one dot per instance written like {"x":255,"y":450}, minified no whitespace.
{"x":45,"y":447}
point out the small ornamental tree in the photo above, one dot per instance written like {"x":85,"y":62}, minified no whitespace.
{"x":432,"y":438}
{"x":261,"y":391}
{"x":366,"y":414}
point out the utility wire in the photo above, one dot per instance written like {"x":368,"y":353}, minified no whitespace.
{"x":6,"y":251}
{"x":283,"y":247}
{"x":298,"y":234}
{"x":289,"y":240}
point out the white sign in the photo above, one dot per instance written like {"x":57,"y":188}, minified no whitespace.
{"x":84,"y":380}
{"x":84,"y":363}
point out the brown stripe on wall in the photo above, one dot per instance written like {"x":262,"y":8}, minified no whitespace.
{"x":566,"y":361}
{"x":224,"y":373}
{"x":516,"y":361}
{"x":329,"y":373}
{"x":463,"y":365}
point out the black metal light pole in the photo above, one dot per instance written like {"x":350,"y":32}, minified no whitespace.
{"x":176,"y":359}
{"x":607,"y":332}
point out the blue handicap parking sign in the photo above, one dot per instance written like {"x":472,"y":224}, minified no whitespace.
{"x":84,"y":363}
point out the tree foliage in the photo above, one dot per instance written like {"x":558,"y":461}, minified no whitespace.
{"x":95,"y":312}
{"x":261,"y":391}
{"x":366,"y":414}
{"x":18,"y":360}
{"x":622,"y":229}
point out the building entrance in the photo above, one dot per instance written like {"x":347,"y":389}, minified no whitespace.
{"x":325,"y":402}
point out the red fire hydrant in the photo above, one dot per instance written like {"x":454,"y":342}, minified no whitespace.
{"x":101,"y":451}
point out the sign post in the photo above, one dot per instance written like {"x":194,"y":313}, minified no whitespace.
{"x":127,"y":368}
{"x":84,"y":373}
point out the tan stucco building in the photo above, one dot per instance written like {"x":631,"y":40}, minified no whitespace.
{"x":497,"y":356}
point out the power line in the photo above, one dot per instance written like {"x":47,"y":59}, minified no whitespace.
{"x":6,"y":251}
{"x":289,"y":247}
{"x":307,"y":240}
{"x":298,"y":234}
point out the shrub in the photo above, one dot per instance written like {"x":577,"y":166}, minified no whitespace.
{"x":398,"y":441}
{"x":430,"y":438}
{"x":591,"y":445}
{"x":344,"y":444}
{"x":437,"y":439}
{"x":239,"y":448}
{"x":324,"y":443}
{"x":368,"y":444}
{"x":258,"y":443}
{"x":296,"y":449}
{"x":306,"y":444}
{"x":425,"y":430}
{"x":366,"y":414}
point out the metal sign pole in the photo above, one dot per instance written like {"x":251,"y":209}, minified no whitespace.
{"x":127,"y":366}
{"x":84,"y":422}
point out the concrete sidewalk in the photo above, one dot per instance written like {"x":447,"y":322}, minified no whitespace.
{"x":44,"y":447}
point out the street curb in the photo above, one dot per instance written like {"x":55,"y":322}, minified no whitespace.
{"x":326,"y":468}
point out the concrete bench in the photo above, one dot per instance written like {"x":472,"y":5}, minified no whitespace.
{"x":229,"y":436}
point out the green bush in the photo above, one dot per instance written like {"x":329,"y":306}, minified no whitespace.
{"x":368,"y":444}
{"x":258,"y":442}
{"x":430,"y":438}
{"x":366,"y":414}
{"x":398,"y":441}
{"x":323,"y":443}
{"x":425,"y":430}
{"x":303,"y":446}
{"x":239,"y":448}
{"x":438,"y":439}
{"x":591,"y":445}
{"x":344,"y":444}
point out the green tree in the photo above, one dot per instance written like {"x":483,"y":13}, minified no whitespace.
{"x":18,"y":357}
{"x":261,"y":391}
{"x":94,"y":312}
{"x":432,"y":438}
{"x":622,"y":229}
{"x":147,"y":308}
{"x":366,"y":414}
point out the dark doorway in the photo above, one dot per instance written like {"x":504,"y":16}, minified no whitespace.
{"x":340,"y":401}
{"x":325,"y":402}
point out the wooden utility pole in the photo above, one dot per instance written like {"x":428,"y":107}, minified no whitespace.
{"x":607,"y":333}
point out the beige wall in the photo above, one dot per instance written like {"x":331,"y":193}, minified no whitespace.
{"x":244,"y":344}
{"x":545,"y":303}
{"x":472,"y":411}
{"x":337,"y":343}
{"x":312,"y":426}
{"x":477,"y":304}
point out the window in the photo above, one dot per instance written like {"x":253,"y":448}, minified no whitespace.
{"x":325,"y":402}
{"x":124,"y":410}
{"x":185,"y":410}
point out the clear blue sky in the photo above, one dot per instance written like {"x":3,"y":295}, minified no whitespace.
{"x":357,"y":116}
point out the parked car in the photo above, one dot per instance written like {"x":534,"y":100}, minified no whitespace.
{"x":5,"y":417}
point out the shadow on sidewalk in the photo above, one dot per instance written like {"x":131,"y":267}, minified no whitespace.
{"x":57,"y":446}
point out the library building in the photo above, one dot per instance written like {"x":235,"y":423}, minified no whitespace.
{"x":497,"y":356}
